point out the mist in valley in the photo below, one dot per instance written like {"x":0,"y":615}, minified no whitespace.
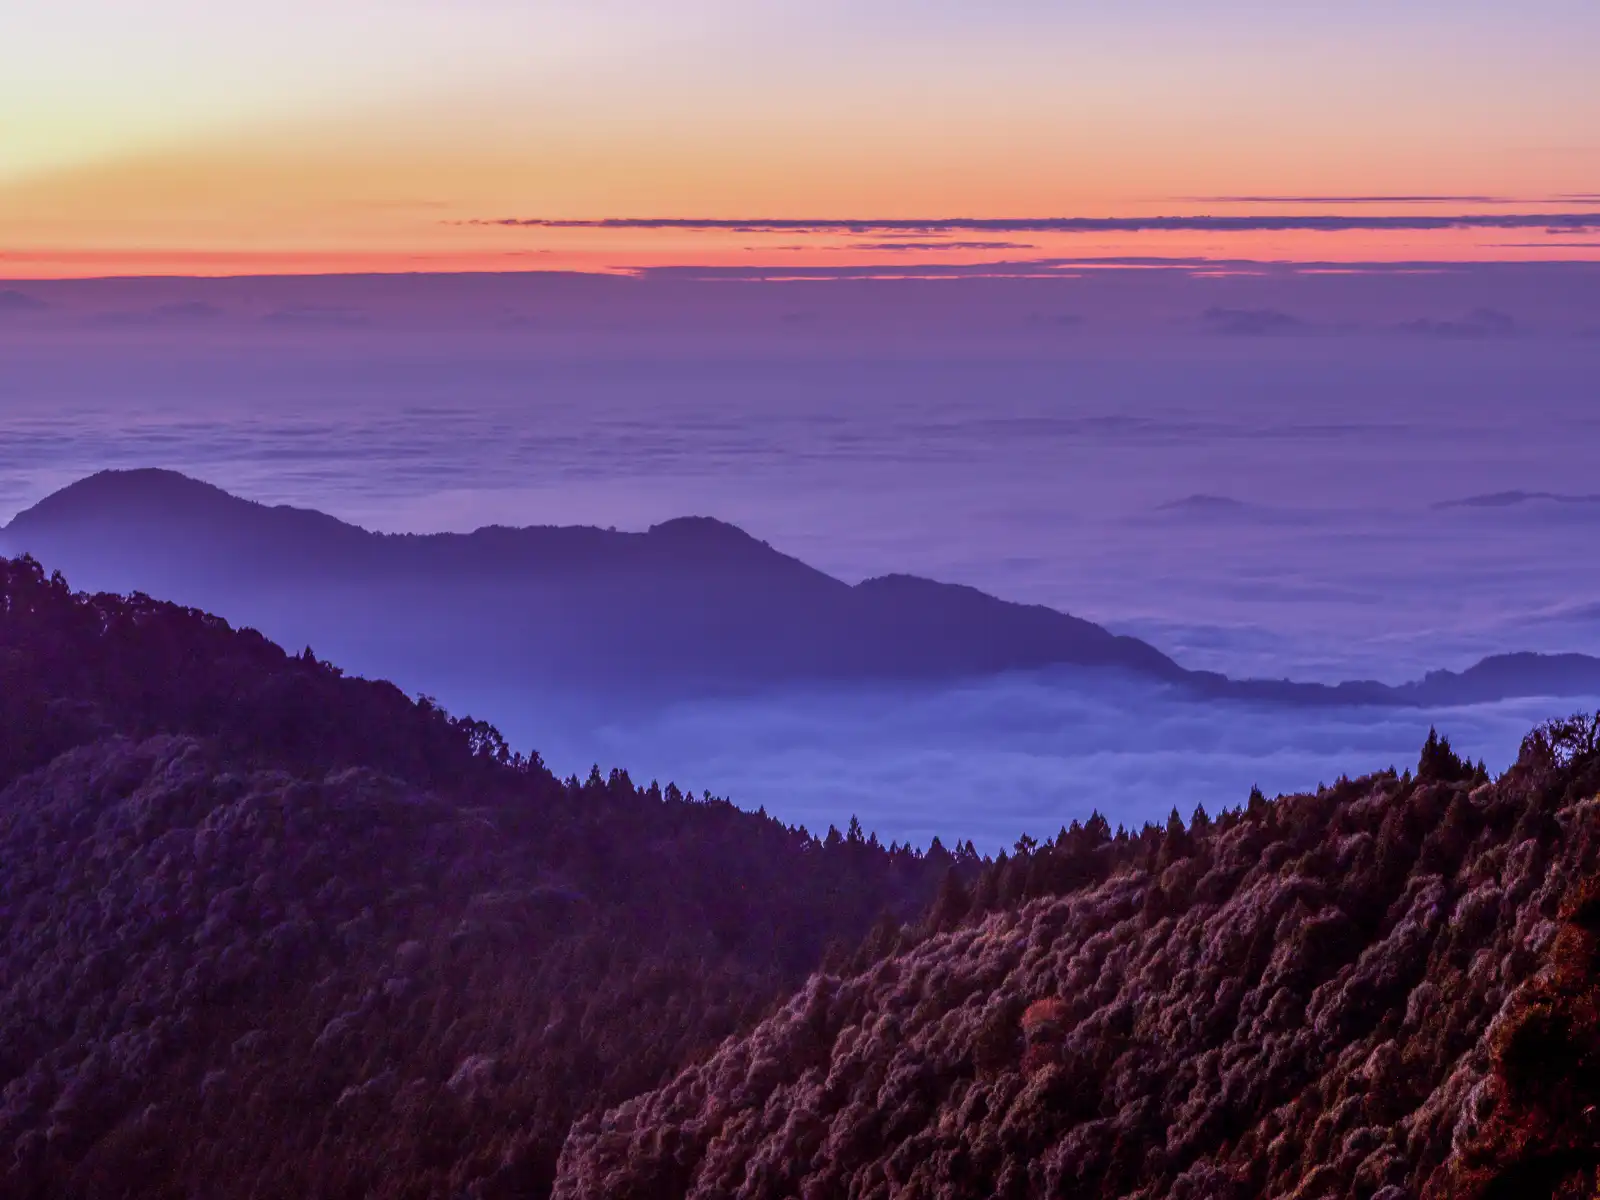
{"x":990,"y":759}
{"x":1376,"y":489}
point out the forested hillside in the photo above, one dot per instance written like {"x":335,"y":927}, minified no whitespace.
{"x":267,"y":930}
{"x":1384,"y":990}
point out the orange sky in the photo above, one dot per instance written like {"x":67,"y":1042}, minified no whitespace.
{"x":184,"y":139}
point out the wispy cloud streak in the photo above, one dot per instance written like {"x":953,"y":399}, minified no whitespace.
{"x":1268,"y":223}
{"x":1375,"y":200}
{"x":922,"y":246}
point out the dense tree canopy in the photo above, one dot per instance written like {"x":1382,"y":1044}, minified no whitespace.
{"x":233,"y":870}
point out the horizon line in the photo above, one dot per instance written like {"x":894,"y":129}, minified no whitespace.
{"x":755,"y":272}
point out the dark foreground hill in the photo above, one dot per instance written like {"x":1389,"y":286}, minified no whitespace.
{"x":690,"y":606}
{"x":1385,"y":990}
{"x":269,"y":931}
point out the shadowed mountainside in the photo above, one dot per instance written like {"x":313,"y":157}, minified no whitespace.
{"x":692,"y":605}
{"x":266,"y":930}
{"x":1386,"y":990}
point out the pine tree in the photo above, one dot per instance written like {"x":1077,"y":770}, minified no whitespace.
{"x":1175,"y":842}
{"x":951,"y":904}
{"x":1439,"y":761}
{"x":1257,"y":808}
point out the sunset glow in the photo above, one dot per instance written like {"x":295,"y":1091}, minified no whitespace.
{"x":373,"y":137}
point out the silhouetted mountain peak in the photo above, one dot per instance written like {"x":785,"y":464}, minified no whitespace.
{"x":164,"y":505}
{"x":1202,"y":502}
{"x":701,"y":531}
{"x":156,"y":499}
{"x":706,"y":541}
{"x":150,"y":490}
{"x":1512,"y":499}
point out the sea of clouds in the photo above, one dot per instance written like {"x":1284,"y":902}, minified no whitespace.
{"x":1304,"y":500}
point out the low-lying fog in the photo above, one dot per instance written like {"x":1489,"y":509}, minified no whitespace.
{"x":1259,"y":473}
{"x":993,"y":759}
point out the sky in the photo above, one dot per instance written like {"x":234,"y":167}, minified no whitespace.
{"x":1248,"y":289}
{"x":182,"y":137}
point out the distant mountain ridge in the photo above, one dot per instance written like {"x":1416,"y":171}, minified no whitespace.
{"x":1512,"y":499}
{"x":689,"y":605}
{"x":693,"y":596}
